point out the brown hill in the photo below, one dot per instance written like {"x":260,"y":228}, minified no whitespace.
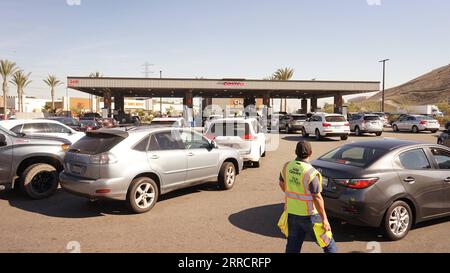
{"x":430,"y":88}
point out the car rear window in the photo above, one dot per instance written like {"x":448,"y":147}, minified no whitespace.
{"x":96,"y":143}
{"x":230,"y":129}
{"x":358,"y":156}
{"x":299,"y":117}
{"x":424,"y":118}
{"x":164,"y":122}
{"x":371,"y":118}
{"x":335,"y":119}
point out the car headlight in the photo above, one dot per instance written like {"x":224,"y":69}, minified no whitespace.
{"x":65,"y":147}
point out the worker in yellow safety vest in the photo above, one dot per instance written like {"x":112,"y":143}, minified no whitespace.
{"x":304,"y":206}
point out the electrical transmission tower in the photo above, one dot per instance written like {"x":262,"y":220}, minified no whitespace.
{"x":147,"y":71}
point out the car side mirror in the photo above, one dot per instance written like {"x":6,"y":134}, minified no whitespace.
{"x":3,"y":140}
{"x":213,"y":144}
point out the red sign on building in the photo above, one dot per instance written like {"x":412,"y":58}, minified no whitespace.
{"x":73,"y":82}
{"x":233,"y":83}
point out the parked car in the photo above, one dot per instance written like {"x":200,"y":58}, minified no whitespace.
{"x":415,"y":124}
{"x":108,"y":123}
{"x":92,"y":115}
{"x":444,"y":138}
{"x":88,"y":125}
{"x":293,"y":122}
{"x":209,"y":119}
{"x":31,"y":163}
{"x":326,"y":125}
{"x":170,"y":121}
{"x":384,"y":117}
{"x":245,"y":135}
{"x":42,"y":127}
{"x":68,"y":121}
{"x":366,"y":123}
{"x":392,"y":184}
{"x":140,"y":164}
{"x":283,"y":121}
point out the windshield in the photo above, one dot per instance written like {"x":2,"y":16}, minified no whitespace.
{"x":371,"y":118}
{"x":357,"y":156}
{"x":299,"y":117}
{"x":95,"y":144}
{"x":335,"y":119}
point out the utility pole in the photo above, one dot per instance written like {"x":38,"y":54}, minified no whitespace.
{"x":384,"y":79}
{"x":147,"y":71}
{"x":160,"y":98}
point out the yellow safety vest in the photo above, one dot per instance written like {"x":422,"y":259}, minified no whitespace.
{"x":297,"y":176}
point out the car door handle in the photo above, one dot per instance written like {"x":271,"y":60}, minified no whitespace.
{"x":154,"y":157}
{"x":409,"y":180}
{"x":190,"y":154}
{"x":447,"y":180}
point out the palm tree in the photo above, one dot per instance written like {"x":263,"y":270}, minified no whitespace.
{"x":283,"y":74}
{"x":20,"y":80}
{"x":52,"y":82}
{"x":7,"y":68}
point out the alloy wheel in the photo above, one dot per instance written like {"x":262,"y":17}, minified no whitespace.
{"x":145,"y":195}
{"x":230,"y":175}
{"x":399,"y":221}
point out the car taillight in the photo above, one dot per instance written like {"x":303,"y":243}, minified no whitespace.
{"x":210,"y":137}
{"x":358,"y":183}
{"x":347,"y":124}
{"x":104,"y":159}
{"x":422,"y":122}
{"x":326,"y":124}
{"x":248,"y":137}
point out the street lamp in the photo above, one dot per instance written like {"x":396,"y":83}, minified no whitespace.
{"x":384,"y":78}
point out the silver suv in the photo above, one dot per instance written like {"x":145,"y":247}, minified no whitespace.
{"x":138,"y":165}
{"x":366,"y":123}
{"x":31,"y":163}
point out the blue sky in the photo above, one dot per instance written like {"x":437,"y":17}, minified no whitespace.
{"x":323,"y":39}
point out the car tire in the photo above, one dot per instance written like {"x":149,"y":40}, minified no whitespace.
{"x":304,"y":134}
{"x":39,"y":181}
{"x":379,"y":133}
{"x":142,"y":194}
{"x":344,"y":137}
{"x":395,"y":128}
{"x":357,"y":131}
{"x":227,"y":176}
{"x":317,"y":134}
{"x":434,"y":131}
{"x":393,"y":218}
{"x":415,"y":129}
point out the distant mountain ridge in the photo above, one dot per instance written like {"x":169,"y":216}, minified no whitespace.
{"x":430,"y":88}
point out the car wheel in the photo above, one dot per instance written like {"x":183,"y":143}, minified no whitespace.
{"x":39,"y":180}
{"x":395,"y":128}
{"x":357,"y":131}
{"x":378,"y":133}
{"x":440,"y":142}
{"x":344,"y":137}
{"x":142,"y":194}
{"x":415,"y":129}
{"x":433,"y":131}
{"x":397,"y":221}
{"x":227,"y":176}
{"x":318,"y":136}
{"x":304,"y":134}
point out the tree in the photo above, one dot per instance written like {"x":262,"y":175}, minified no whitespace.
{"x":20,"y":80}
{"x":283,"y":74}
{"x":7,"y":69}
{"x":52,"y":82}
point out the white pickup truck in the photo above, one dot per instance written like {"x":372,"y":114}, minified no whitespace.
{"x":326,"y":125}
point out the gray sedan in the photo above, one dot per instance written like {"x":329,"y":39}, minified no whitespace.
{"x":138,"y":165}
{"x":389,"y":183}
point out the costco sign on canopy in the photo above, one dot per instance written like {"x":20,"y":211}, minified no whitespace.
{"x":233,"y":83}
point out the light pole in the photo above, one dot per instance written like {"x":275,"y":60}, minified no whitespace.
{"x":384,"y":78}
